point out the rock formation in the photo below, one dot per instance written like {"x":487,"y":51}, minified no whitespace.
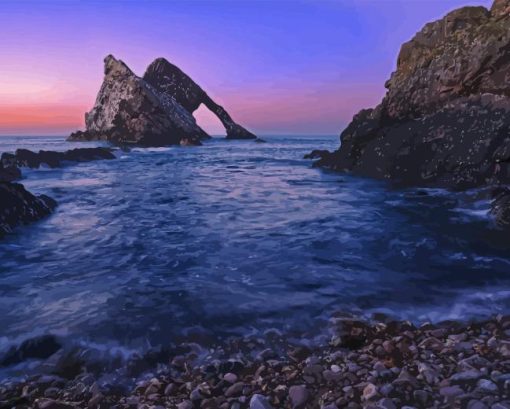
{"x":153,"y":111}
{"x":445,"y":120}
{"x":52,"y":159}
{"x":18,"y":206}
{"x":170,"y":81}
{"x":9,"y":173}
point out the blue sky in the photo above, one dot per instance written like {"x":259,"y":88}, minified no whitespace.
{"x":277,"y":66}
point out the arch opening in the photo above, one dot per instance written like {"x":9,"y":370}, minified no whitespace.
{"x":209,"y":122}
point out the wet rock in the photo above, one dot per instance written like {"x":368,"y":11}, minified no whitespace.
{"x":370,"y":392}
{"x":421,"y":396}
{"x":476,"y":404}
{"x":230,"y":377}
{"x":53,"y":404}
{"x":317,"y":154}
{"x":27,"y":158}
{"x":299,"y":396}
{"x":185,"y":405}
{"x":39,"y":348}
{"x":95,"y":401}
{"x":386,"y":403}
{"x":170,"y":389}
{"x":500,"y":207}
{"x":466,"y":377}
{"x":235,"y":390}
{"x":501,"y":405}
{"x":259,"y":402}
{"x":9,"y":173}
{"x":299,"y":353}
{"x":17,"y":207}
{"x":486,"y":386}
{"x":445,"y":118}
{"x":451,"y":392}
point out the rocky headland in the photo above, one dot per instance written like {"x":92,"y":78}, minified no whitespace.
{"x":17,"y":205}
{"x":445,"y":119}
{"x":156,"y":110}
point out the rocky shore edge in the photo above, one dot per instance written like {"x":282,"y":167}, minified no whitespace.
{"x":17,"y":205}
{"x":444,"y":121}
{"x":391,"y":364}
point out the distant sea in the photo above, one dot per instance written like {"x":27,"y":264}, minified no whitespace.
{"x":236,"y":237}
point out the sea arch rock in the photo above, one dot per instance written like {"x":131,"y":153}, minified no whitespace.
{"x":150,"y":111}
{"x":171,"y":81}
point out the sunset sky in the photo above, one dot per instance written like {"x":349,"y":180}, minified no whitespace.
{"x":277,"y":66}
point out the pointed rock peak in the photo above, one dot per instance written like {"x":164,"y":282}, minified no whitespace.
{"x":161,"y":66}
{"x":113,"y":66}
{"x":500,"y":8}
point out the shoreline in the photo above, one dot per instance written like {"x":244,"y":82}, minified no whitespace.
{"x":364,"y":365}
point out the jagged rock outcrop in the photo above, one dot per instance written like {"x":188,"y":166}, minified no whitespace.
{"x":152,"y":111}
{"x":52,"y":159}
{"x":18,"y":206}
{"x":445,"y":120}
{"x":172,"y":82}
{"x":9,"y":173}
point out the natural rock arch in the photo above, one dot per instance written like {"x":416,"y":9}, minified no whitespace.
{"x":155,"y":110}
{"x":169,"y":79}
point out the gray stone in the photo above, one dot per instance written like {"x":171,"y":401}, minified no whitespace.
{"x":259,"y":402}
{"x":185,"y":405}
{"x":487,"y":386}
{"x":476,"y":404}
{"x":370,"y":391}
{"x":234,"y":390}
{"x":299,"y":396}
{"x":386,"y":403}
{"x":465,"y":377}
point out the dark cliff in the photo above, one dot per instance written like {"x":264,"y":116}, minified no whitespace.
{"x":445,"y":118}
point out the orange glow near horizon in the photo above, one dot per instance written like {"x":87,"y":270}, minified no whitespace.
{"x":260,"y":111}
{"x":40,"y":119}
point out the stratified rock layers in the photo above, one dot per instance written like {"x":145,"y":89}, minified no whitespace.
{"x":445,"y":118}
{"x":153,"y":111}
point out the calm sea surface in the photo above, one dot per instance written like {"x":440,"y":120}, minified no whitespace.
{"x":236,"y":237}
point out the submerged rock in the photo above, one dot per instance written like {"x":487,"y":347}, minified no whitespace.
{"x":27,"y":158}
{"x":445,"y":120}
{"x":155,"y":110}
{"x":18,"y":206}
{"x":38,"y":347}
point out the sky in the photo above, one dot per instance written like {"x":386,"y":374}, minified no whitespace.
{"x":277,"y":66}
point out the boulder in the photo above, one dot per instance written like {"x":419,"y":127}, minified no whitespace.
{"x":39,"y":347}
{"x":445,"y":119}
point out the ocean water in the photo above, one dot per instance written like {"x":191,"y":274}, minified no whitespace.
{"x":236,"y":237}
